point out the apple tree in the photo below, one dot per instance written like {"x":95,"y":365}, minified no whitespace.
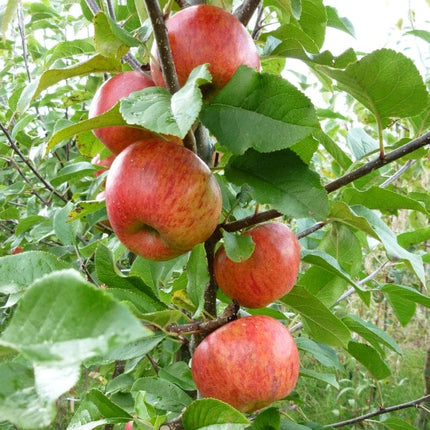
{"x":240,"y":194}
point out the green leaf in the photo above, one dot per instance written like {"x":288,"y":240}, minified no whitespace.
{"x":326,"y":355}
{"x":313,"y":20}
{"x":130,"y":351}
{"x":382,"y":198}
{"x":403,"y":300}
{"x":18,"y":272}
{"x":9,"y":15}
{"x":198,"y":277}
{"x":162,"y":394}
{"x":329,"y":263}
{"x":327,"y":378}
{"x":108,"y":273}
{"x":179,"y":374}
{"x":321,"y":323}
{"x":370,"y":332}
{"x":96,"y":410}
{"x":110,"y":118}
{"x":162,"y":319}
{"x":68,"y":48}
{"x":360,"y":143}
{"x":273,"y":179}
{"x":370,"y":358}
{"x":238,"y":247}
{"x":389,"y":240}
{"x":110,"y":39}
{"x":65,"y":231}
{"x":212,"y":414}
{"x":79,"y":321}
{"x":260,"y":111}
{"x":157,"y":273}
{"x":155,"y":109}
{"x":423,"y":34}
{"x":394,"y":423}
{"x":59,"y":331}
{"x":385,"y":82}
{"x":20,"y":403}
{"x":415,"y":237}
{"x":73,"y":172}
{"x":342,"y":244}
{"x":340,"y":23}
{"x":96,"y":64}
{"x":268,"y":419}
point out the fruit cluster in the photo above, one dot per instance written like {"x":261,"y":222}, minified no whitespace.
{"x":162,"y":200}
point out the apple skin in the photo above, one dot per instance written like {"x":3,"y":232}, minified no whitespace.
{"x":206,"y":34}
{"x":161,"y":199}
{"x":104,"y":163}
{"x":248,"y":363}
{"x":116,"y":138}
{"x":129,"y":425}
{"x":268,"y":274}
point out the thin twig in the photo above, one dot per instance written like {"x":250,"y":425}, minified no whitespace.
{"x":30,"y":165}
{"x":412,"y":404}
{"x":367,"y":168}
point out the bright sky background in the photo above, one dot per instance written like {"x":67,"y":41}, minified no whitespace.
{"x":376,"y":26}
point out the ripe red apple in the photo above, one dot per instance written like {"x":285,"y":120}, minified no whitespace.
{"x":161,"y":199}
{"x":248,"y":363}
{"x":102,"y":162}
{"x":206,"y":34}
{"x":116,"y":138}
{"x":268,"y":274}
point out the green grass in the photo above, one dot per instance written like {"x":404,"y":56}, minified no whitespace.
{"x":359,"y":393}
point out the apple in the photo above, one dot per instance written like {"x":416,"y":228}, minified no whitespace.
{"x":249,"y":363}
{"x":161,"y":199}
{"x":104,"y":163}
{"x":206,"y":34}
{"x":268,"y":274}
{"x":129,"y":425}
{"x":116,"y":138}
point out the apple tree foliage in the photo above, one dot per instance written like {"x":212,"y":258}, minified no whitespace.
{"x":92,"y":336}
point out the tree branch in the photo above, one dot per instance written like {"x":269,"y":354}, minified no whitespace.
{"x":409,"y":147}
{"x":411,"y":404}
{"x":166,"y":59}
{"x":206,"y":327}
{"x":367,"y":168}
{"x":245,"y":11}
{"x":15,"y":148}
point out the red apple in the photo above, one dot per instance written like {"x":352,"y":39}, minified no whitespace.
{"x":102,"y":162}
{"x":206,"y":34}
{"x":248,"y":363}
{"x":116,"y":138}
{"x":161,"y":199}
{"x":268,"y":274}
{"x":129,"y":426}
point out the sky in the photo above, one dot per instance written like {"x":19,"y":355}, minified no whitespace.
{"x":375,"y":23}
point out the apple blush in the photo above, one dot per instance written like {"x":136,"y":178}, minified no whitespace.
{"x":268,"y":274}
{"x":248,"y":363}
{"x":161,"y":199}
{"x":206,"y":34}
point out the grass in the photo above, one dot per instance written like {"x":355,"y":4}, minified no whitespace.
{"x":359,"y":393}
